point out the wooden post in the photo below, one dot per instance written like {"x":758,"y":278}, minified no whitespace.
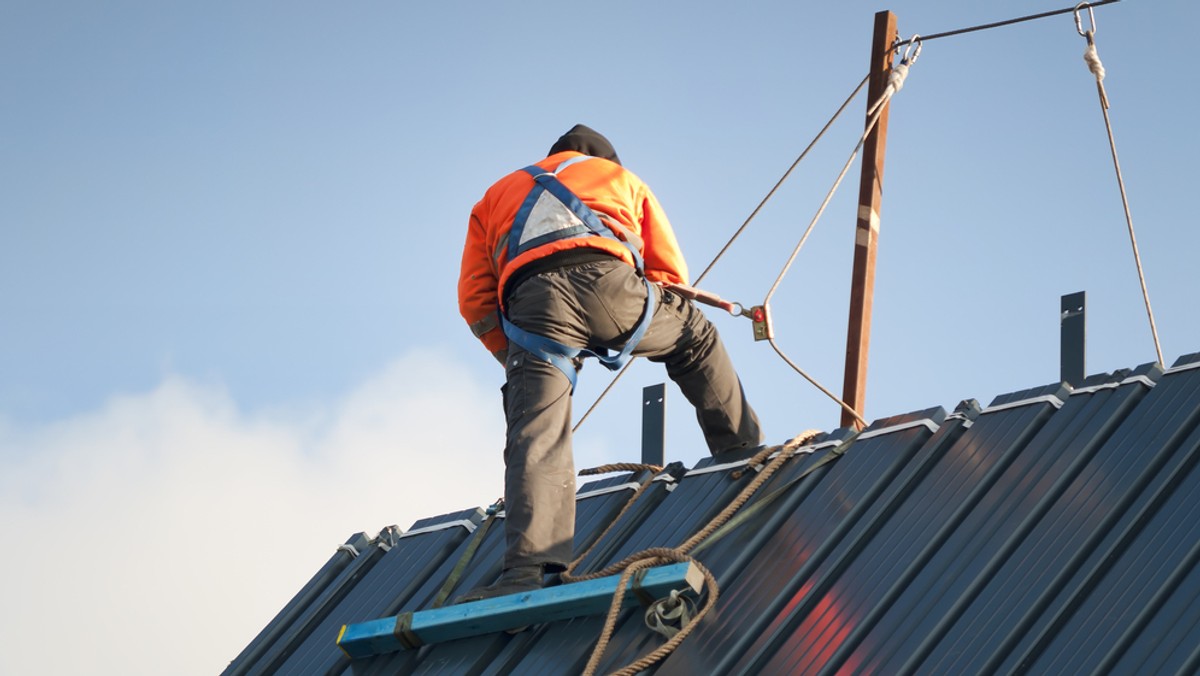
{"x":870,"y":195}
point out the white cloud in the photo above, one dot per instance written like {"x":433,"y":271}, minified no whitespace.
{"x":168,"y":527}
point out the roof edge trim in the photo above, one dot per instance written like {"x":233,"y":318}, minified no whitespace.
{"x":1044,"y":399}
{"x":925,"y":422}
{"x":802,"y":450}
{"x":632,"y":486}
{"x":716,"y":468}
{"x":1184,"y":367}
{"x":1112,"y":386}
{"x":465,"y":523}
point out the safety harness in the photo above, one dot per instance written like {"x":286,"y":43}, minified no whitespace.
{"x":552,"y":212}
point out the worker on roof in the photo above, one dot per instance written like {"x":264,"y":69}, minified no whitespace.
{"x":564,"y":259}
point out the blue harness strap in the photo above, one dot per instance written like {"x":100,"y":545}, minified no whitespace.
{"x":543,"y":348}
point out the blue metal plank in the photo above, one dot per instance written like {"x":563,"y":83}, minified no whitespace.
{"x":591,"y":597}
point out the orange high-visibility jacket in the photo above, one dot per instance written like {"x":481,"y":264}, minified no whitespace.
{"x":613,"y":192}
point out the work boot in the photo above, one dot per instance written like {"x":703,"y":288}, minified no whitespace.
{"x":512,"y":581}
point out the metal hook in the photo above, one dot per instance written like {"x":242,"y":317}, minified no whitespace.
{"x":1079,"y":20}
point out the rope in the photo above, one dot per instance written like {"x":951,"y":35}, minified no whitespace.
{"x":656,"y":556}
{"x":845,"y":407}
{"x":1092,"y":59}
{"x":738,"y":233}
{"x":620,"y":467}
{"x":895,"y":83}
{"x":875,"y":111}
{"x":604,"y":469}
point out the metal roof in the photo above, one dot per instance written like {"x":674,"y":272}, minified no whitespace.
{"x":1056,"y":530}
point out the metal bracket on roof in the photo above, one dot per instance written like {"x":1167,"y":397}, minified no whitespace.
{"x":670,"y":480}
{"x":925,"y":422}
{"x":631,"y":486}
{"x":1073,"y":337}
{"x":349,"y":549}
{"x":1044,"y":399}
{"x":465,"y":523}
{"x":961,"y":417}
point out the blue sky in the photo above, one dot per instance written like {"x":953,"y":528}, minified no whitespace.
{"x":230,"y":235}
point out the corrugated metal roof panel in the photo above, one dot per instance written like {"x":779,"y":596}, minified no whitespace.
{"x":380,"y":592}
{"x":937,"y":497}
{"x":1021,"y":593}
{"x":994,"y":525}
{"x":804,"y":531}
{"x":311,"y":604}
{"x":1053,"y":531}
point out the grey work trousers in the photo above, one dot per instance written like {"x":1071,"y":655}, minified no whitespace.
{"x":597,"y":304}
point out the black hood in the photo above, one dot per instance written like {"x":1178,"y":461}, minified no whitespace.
{"x":584,"y":139}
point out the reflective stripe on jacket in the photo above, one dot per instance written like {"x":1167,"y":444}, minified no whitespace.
{"x":614,"y":193}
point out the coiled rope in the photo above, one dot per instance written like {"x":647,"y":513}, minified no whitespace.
{"x":656,"y":556}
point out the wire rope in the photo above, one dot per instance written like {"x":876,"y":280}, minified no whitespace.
{"x":1006,"y":22}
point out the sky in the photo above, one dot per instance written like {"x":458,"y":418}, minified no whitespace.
{"x":230,"y":236}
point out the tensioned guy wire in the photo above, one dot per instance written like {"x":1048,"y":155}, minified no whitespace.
{"x":898,"y":45}
{"x":1092,"y":59}
{"x":781,"y":180}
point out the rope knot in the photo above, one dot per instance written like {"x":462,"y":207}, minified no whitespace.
{"x":1092,"y":58}
{"x":897,"y":76}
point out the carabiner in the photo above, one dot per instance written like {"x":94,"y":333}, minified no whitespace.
{"x":1091,"y":20}
{"x":912,"y":49}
